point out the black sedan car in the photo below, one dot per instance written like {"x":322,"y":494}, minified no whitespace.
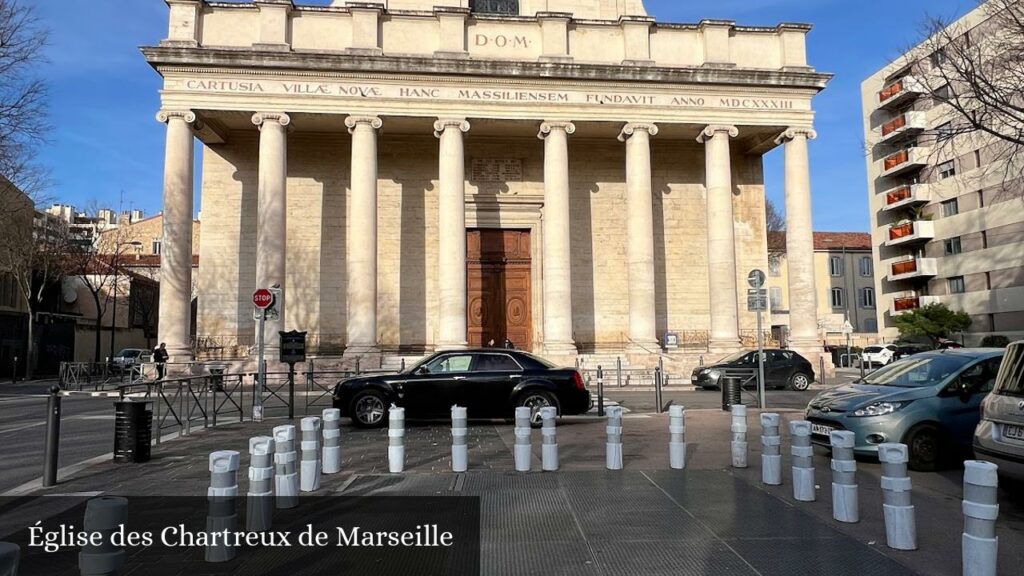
{"x":488,"y":382}
{"x":782,"y":369}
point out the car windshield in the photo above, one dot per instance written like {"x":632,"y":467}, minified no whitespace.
{"x":873,"y":349}
{"x":918,"y":371}
{"x":128,"y":353}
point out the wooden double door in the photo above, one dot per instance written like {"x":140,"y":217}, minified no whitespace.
{"x":498,"y":287}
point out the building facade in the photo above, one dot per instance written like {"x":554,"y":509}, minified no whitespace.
{"x":947,"y":227}
{"x":571,"y":175}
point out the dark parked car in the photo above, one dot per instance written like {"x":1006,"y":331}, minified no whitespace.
{"x":782,"y":368}
{"x":488,"y":382}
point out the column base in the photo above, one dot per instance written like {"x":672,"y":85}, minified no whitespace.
{"x":559,"y":349}
{"x":447,"y":346}
{"x":362,"y":351}
{"x":178,"y":354}
{"x":724,"y":346}
{"x":643,"y":347}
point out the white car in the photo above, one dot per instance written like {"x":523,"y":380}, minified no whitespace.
{"x":880,"y":355}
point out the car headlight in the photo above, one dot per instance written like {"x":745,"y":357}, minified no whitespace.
{"x":714,"y":373}
{"x":879,"y":409}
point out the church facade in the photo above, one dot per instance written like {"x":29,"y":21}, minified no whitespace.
{"x":570,"y":175}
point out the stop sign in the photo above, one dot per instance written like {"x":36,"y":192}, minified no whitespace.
{"x":262,"y":299}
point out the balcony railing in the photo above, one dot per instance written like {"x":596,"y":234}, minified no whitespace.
{"x":905,"y":267}
{"x":906,"y":195}
{"x":909,"y":302}
{"x":913,"y":268}
{"x":910,"y":232}
{"x":903,"y":161}
{"x":900,"y":91}
{"x":908,"y":124}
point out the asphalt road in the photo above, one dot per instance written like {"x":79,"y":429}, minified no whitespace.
{"x":87,"y":430}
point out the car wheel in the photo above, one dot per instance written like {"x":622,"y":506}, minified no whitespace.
{"x":800,"y":381}
{"x":924,"y":443}
{"x":535,"y":400}
{"x":369,"y":409}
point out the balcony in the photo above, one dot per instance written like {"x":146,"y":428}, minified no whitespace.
{"x":911,"y":233}
{"x":906,"y":196}
{"x":904,"y":161}
{"x":903,"y":90}
{"x":903,"y":126}
{"x":907,"y":302}
{"x":913,"y":268}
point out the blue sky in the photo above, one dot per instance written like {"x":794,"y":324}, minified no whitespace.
{"x":104,"y":96}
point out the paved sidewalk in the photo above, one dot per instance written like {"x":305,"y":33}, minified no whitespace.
{"x":645,"y":520}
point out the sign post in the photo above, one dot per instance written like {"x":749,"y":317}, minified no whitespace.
{"x":757,"y":300}
{"x":293,"y":350}
{"x":263,"y":300}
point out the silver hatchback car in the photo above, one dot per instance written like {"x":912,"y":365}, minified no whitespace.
{"x":999,"y":437}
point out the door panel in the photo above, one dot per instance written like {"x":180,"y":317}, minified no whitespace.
{"x":499,"y":287}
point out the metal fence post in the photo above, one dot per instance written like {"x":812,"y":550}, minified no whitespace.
{"x":771,"y":456}
{"x":522,"y":448}
{"x":52,"y":449}
{"x":900,"y":525}
{"x":260,"y":498}
{"x":549,"y":441}
{"x":613,"y":457}
{"x":981,"y":508}
{"x":460,"y":432}
{"x":803,"y":461}
{"x":600,"y":391}
{"x":738,"y":446}
{"x":845,"y":504}
{"x":396,"y":439}
{"x":677,"y":437}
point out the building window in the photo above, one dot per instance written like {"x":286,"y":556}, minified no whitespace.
{"x":156,"y":247}
{"x":835,"y":266}
{"x":775,"y":266}
{"x":947,"y":169}
{"x":943,"y":93}
{"x":938,"y":58}
{"x":950,"y":208}
{"x":509,"y":7}
{"x":867,"y":298}
{"x":953,"y":246}
{"x":838,"y":298}
{"x":865,"y":266}
{"x":944,"y":132}
{"x":775,"y":296}
{"x":977,"y":158}
{"x":956,"y":285}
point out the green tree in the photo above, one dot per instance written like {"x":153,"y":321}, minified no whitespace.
{"x":934,"y":321}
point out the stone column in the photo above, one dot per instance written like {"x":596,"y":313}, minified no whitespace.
{"x":361,"y":264}
{"x":721,"y":238}
{"x":642,"y":334}
{"x":557,"y":257}
{"x":451,"y":241}
{"x":803,"y":310}
{"x":176,"y":246}
{"x":271,"y":229}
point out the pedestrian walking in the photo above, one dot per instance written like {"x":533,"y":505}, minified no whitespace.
{"x":509,"y":345}
{"x":160,"y":356}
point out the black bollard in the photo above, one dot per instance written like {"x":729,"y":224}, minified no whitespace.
{"x":52,"y":438}
{"x":600,"y":391}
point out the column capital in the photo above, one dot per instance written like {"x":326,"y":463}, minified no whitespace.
{"x":166,"y":116}
{"x":443,"y":124}
{"x":261,"y":118}
{"x":709,"y":131}
{"x":547,"y":127}
{"x":633,"y":127}
{"x":795,"y":131}
{"x":373,"y":122}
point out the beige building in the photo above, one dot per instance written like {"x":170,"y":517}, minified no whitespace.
{"x":945,"y":228}
{"x":570,"y":174}
{"x":141,"y":238}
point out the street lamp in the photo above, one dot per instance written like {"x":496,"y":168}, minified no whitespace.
{"x":113,"y":316}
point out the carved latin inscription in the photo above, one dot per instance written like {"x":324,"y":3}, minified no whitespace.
{"x":496,"y":170}
{"x":501,"y":41}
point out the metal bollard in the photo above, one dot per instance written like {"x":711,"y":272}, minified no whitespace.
{"x":981,"y":508}
{"x":460,"y":433}
{"x":221,"y":515}
{"x":821,"y":369}
{"x":658,"y":375}
{"x":522,"y":446}
{"x":677,"y":437}
{"x":900,"y":525}
{"x":845,"y":503}
{"x":52,"y":448}
{"x":332,"y":441}
{"x":9,"y":554}
{"x":771,"y":454}
{"x":600,"y":391}
{"x":105,"y":515}
{"x":260,"y":498}
{"x":396,"y":439}
{"x":286,"y":479}
{"x":309,"y":465}
{"x":803,"y":461}
{"x":613,"y":456}
{"x":739,"y":436}
{"x":549,"y":442}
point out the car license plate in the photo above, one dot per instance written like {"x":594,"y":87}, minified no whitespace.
{"x":821,"y":429}
{"x":1013,"y":432}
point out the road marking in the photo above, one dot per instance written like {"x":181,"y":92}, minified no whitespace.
{"x":21,"y":427}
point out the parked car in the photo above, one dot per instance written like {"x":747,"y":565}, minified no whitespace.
{"x":782,"y":368}
{"x":929,"y":401}
{"x":129,"y":357}
{"x":488,"y":382}
{"x":905,"y":350}
{"x":880,"y":355}
{"x":999,"y":437}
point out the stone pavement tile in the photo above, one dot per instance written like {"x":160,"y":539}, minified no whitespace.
{"x":696,"y":557}
{"x":788,"y":557}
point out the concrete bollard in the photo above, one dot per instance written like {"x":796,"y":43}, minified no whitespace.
{"x":105,"y":515}
{"x":309,"y":465}
{"x":845,"y":503}
{"x":221,"y":495}
{"x":332,"y":441}
{"x":549,"y":441}
{"x":803,"y":461}
{"x":9,"y":554}
{"x":739,"y":436}
{"x":286,"y":477}
{"x":396,"y":439}
{"x":613,"y":459}
{"x":900,"y":525}
{"x":981,"y":508}
{"x":460,"y":439}
{"x":522,"y":449}
{"x":259,"y":500}
{"x":771,"y":454}
{"x":677,"y":437}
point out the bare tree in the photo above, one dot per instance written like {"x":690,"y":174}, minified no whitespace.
{"x":775,"y":226}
